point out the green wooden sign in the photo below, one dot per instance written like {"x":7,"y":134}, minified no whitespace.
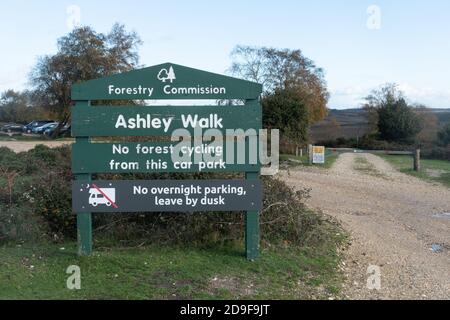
{"x":162,"y":120}
{"x":151,"y":157}
{"x":165,"y":81}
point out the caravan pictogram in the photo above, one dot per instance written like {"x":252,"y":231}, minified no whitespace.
{"x":105,"y":196}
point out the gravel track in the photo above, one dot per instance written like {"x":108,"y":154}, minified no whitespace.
{"x":390,"y":217}
{"x":23,"y":146}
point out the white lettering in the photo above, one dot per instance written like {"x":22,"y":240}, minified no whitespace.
{"x":143,"y":122}
{"x":139,"y":190}
{"x":121,"y":122}
{"x":212,"y":122}
{"x":198,"y":90}
{"x":130,"y":91}
{"x":120,"y":150}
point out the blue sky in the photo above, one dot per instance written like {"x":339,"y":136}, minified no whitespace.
{"x":411,"y":46}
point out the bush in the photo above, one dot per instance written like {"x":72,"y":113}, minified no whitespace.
{"x":53,"y":202}
{"x":20,"y":224}
{"x":440,"y":153}
{"x":444,"y":135}
{"x":397,"y":122}
{"x":31,"y":186}
{"x":42,"y":194}
{"x":284,"y":219}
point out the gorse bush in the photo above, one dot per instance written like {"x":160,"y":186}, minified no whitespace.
{"x":52,"y":201}
{"x":31,"y":185}
{"x":444,"y":136}
{"x":440,"y":153}
{"x":20,"y":224}
{"x":284,"y":219}
{"x":38,"y":202}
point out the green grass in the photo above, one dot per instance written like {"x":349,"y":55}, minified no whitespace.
{"x":363,"y":165}
{"x":330,"y":159}
{"x":431,"y":170}
{"x":39,"y":272}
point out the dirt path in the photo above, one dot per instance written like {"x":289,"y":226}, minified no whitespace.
{"x":23,"y":146}
{"x":392,"y":220}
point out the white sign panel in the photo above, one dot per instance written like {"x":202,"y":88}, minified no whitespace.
{"x":318,"y":155}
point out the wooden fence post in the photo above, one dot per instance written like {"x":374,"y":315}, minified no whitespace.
{"x":417,"y":160}
{"x":310,"y":153}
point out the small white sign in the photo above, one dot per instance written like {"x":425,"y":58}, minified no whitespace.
{"x":318,"y":155}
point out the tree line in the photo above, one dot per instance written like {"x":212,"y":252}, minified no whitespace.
{"x":295,"y":91}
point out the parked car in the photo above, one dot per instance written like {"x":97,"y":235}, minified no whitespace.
{"x":12,"y":127}
{"x":35,"y":124}
{"x":63,"y":131}
{"x":41,"y":129}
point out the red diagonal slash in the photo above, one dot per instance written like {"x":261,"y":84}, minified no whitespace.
{"x":107,"y":198}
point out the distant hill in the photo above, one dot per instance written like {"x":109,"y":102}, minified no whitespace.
{"x":443,"y":115}
{"x":352,"y":123}
{"x":348,"y":123}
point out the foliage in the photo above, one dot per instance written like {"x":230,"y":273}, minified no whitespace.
{"x":283,"y":69}
{"x":36,"y":184}
{"x":12,"y":106}
{"x":395,"y":119}
{"x":436,"y":152}
{"x":82,"y":55}
{"x":41,"y":186}
{"x":366,"y":142}
{"x":284,"y":110}
{"x":16,"y":107}
{"x":397,"y":122}
{"x":430,"y":126}
{"x":444,"y":135}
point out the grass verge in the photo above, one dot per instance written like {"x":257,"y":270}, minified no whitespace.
{"x":431,"y":170}
{"x":330,"y":159}
{"x":39,"y":272}
{"x":363,"y":165}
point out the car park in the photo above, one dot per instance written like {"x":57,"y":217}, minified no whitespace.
{"x":63,"y":131}
{"x":35,"y":124}
{"x":41,"y":129}
{"x":49,"y":128}
{"x":12,"y":127}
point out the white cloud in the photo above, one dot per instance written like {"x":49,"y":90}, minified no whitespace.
{"x":347,"y":97}
{"x":353,"y":96}
{"x":434,"y":98}
{"x":14,"y":79}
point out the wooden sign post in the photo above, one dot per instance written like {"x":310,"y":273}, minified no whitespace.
{"x":416,"y":155}
{"x":165,"y":81}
